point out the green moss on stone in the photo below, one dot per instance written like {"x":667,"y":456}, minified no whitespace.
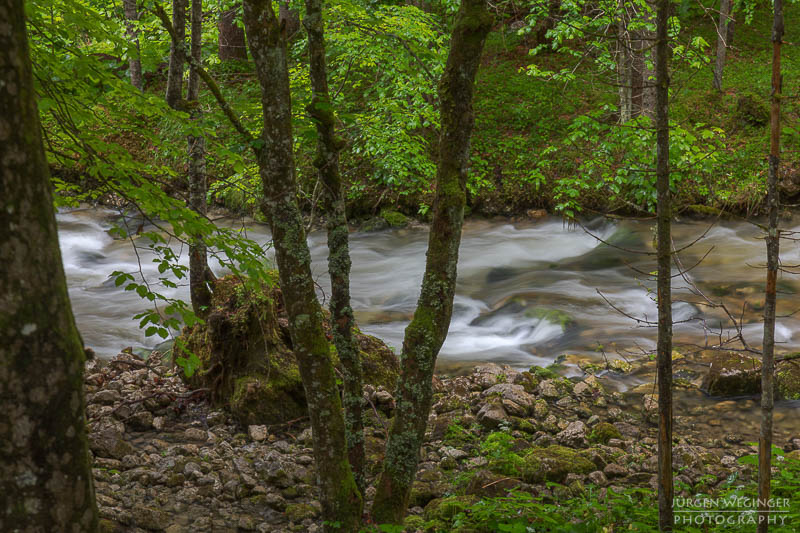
{"x":553,"y":464}
{"x":603,"y":432}
{"x":297,"y":512}
{"x":446,"y":508}
{"x":395,"y":219}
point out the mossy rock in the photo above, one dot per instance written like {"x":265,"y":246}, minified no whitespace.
{"x":413,"y":523}
{"x":553,"y":464}
{"x":604,"y":432}
{"x":705,"y":211}
{"x":446,"y":508}
{"x":395,"y":219}
{"x":297,"y":512}
{"x":732,"y":374}
{"x":246,"y":357}
{"x":787,"y":380}
{"x":554,"y":316}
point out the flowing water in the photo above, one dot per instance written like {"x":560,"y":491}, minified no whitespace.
{"x":527,"y":292}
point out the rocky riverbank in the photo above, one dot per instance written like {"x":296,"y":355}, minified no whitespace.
{"x":165,"y":460}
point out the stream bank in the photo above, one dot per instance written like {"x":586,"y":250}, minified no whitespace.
{"x":165,"y":460}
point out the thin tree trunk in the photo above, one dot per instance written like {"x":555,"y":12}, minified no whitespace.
{"x":341,"y":500}
{"x":45,"y":471}
{"x":199,"y":272}
{"x":623,"y":60}
{"x":648,"y":54}
{"x":134,"y":62}
{"x":231,"y":43}
{"x":177,"y":56}
{"x":428,"y":328}
{"x":725,"y":7}
{"x":664,"y":252}
{"x":773,"y":241}
{"x":327,"y":164}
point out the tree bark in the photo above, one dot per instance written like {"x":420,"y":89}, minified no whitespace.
{"x":177,"y":55}
{"x":623,"y":60}
{"x":134,"y":62}
{"x":647,"y":52}
{"x":199,"y":272}
{"x":428,"y":328}
{"x":341,"y":501}
{"x":327,"y":163}
{"x":725,"y":7}
{"x":45,"y":472}
{"x":664,"y":253}
{"x":289,"y":19}
{"x":231,"y":37}
{"x":770,"y":297}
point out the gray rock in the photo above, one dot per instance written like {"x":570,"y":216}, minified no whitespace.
{"x":196,"y":434}
{"x":141,"y":421}
{"x":107,"y":441}
{"x":598,"y":478}
{"x":574,"y":436}
{"x":106,"y":397}
{"x":511,"y":392}
{"x":547,"y":389}
{"x":492,"y":415}
{"x":257,"y":433}
{"x":613,"y":470}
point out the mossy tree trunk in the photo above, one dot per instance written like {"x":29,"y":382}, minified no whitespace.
{"x":199,"y":273}
{"x":45,"y":471}
{"x":177,"y":55}
{"x":327,"y":163}
{"x":664,"y":284}
{"x":428,"y":328}
{"x":340,"y":498}
{"x":134,"y":62}
{"x":231,"y":44}
{"x":770,"y":297}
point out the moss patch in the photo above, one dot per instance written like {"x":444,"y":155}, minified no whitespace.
{"x":553,"y":464}
{"x":395,"y":219}
{"x":604,"y":432}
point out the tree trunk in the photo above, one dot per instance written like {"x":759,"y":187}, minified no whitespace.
{"x":428,"y":328}
{"x":199,"y":272}
{"x":134,"y":62}
{"x":773,"y":240}
{"x":664,"y":253}
{"x":623,"y":61}
{"x":647,"y":55}
{"x":341,"y":501}
{"x":177,"y":56}
{"x":289,"y":19}
{"x":231,"y":37}
{"x":45,"y":471}
{"x":327,"y":164}
{"x":725,"y":7}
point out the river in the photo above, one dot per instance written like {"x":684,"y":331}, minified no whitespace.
{"x":531,"y":292}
